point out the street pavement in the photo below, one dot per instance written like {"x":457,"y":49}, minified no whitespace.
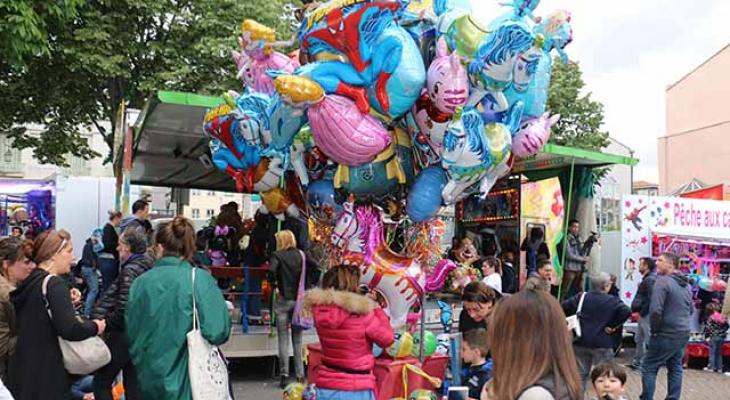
{"x":252,"y":380}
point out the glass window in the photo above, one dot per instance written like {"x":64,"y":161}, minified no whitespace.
{"x":210,"y":213}
{"x":196,"y":213}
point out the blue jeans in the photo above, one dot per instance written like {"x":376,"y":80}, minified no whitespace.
{"x":326,"y":394}
{"x":663,"y":351}
{"x":109,"y":269}
{"x":716,"y":353}
{"x":92,"y":285}
{"x":82,"y":387}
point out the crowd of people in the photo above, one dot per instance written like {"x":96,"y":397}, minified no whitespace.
{"x":516,"y":343}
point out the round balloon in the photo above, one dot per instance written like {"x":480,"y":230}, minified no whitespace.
{"x":422,"y":394}
{"x":424,"y":198}
{"x":402,"y":346}
{"x":719,"y":285}
{"x":293,"y":391}
{"x":429,"y":344}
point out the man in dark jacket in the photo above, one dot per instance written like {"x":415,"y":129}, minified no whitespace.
{"x":138,"y":219}
{"x":111,"y":307}
{"x":669,"y":316}
{"x":640,"y":304}
{"x":599,"y":317}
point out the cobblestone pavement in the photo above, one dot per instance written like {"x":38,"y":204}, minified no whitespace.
{"x":252,"y":381}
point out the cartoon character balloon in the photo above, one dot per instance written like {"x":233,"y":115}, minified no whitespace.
{"x":533,"y":135}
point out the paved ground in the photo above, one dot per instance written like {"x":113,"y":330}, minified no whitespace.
{"x":252,"y":381}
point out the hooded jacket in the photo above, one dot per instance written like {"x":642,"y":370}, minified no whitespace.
{"x":36,"y":368}
{"x":347,"y":325}
{"x":133,"y":222}
{"x":671,"y":306}
{"x":112,"y":304}
{"x":642,"y":300}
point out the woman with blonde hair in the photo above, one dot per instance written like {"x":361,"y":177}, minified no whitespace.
{"x":36,"y":368}
{"x":531,"y":350}
{"x":285,"y":269}
{"x":159,"y":314}
{"x":15,"y":266}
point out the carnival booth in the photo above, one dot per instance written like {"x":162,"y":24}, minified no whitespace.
{"x":26,"y":207}
{"x":696,"y":230}
{"x":366,"y":139}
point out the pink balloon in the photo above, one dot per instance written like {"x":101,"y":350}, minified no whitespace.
{"x":533,"y":135}
{"x":252,"y":70}
{"x":447,"y":81}
{"x":344,"y":134}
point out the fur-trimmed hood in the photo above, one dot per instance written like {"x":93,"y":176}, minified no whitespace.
{"x":352,"y":303}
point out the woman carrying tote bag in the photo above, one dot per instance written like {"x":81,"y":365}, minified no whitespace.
{"x":37,"y":370}
{"x":160,"y":313}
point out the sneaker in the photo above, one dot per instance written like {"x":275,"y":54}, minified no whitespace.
{"x":708,"y":369}
{"x":727,"y":373}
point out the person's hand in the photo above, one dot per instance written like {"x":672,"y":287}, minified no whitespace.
{"x":100,"y":326}
{"x":586,"y":258}
{"x":75,"y":296}
{"x":88,"y":396}
{"x":610,"y":330}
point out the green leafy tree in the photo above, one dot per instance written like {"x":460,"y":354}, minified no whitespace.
{"x":581,"y":117}
{"x":120,"y":51}
{"x":25,"y":26}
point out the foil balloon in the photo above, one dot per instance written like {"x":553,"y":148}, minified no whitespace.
{"x":357,"y":239}
{"x":429,"y":344}
{"x":705,"y":283}
{"x":719,"y":285}
{"x":293,"y":391}
{"x":377,"y":351}
{"x":381,"y":63}
{"x":235,"y":132}
{"x":344,"y":134}
{"x":557,"y":33}
{"x":321,"y":197}
{"x":278,"y":203}
{"x":472,"y":149}
{"x":447,"y":88}
{"x":402,"y":346}
{"x":423,"y":394}
{"x":257,"y":55}
{"x":533,"y":134}
{"x":424,"y":197}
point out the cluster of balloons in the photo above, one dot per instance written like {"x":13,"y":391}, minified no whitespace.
{"x":391,"y":101}
{"x":406,"y":345}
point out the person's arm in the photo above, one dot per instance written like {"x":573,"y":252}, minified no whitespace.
{"x":105,"y":302}
{"x":313,"y":273}
{"x":622,"y":313}
{"x":543,"y":249}
{"x":640,"y":297}
{"x":215,"y":323}
{"x":271,"y":274}
{"x":570,"y":306}
{"x":380,"y":331}
{"x":525,"y":244}
{"x":65,"y":322}
{"x":124,"y":284}
{"x":8,"y":337}
{"x":656,"y":307}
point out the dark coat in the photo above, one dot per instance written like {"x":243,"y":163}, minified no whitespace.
{"x":110,"y":239}
{"x":285,"y":268}
{"x":113,"y":302}
{"x":642,"y":299}
{"x":36,"y":368}
{"x":600,"y":311}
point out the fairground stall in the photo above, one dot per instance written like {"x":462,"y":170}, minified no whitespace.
{"x":698,"y":231}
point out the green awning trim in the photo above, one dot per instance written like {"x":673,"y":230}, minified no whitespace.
{"x":189,"y":99}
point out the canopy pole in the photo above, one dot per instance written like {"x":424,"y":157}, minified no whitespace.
{"x":565,"y":230}
{"x":423,"y":327}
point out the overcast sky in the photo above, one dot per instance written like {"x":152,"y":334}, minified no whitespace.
{"x":630,"y":51}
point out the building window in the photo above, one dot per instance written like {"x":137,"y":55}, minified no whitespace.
{"x":211,"y":193}
{"x":10,"y":157}
{"x":195,"y":192}
{"x":210,"y":213}
{"x":196,"y":213}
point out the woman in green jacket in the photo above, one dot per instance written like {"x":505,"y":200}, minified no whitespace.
{"x":160,"y":314}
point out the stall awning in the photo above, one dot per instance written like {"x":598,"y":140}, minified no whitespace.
{"x":169,"y":143}
{"x":713,"y":237}
{"x":554,"y":158}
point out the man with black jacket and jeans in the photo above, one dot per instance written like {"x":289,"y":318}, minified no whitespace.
{"x":640,"y":304}
{"x":600,"y":316}
{"x":111,"y":308}
{"x":669,"y":316}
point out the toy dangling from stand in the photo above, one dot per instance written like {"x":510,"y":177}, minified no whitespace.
{"x":447,"y":320}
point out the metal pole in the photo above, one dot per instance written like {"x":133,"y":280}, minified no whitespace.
{"x":423,"y":327}
{"x":565,"y":230}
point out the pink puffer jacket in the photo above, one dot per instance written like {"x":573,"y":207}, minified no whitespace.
{"x":347,"y":325}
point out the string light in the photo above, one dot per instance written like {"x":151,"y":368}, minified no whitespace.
{"x":513,"y":207}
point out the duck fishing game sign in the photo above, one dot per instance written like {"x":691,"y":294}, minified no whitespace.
{"x":694,"y":229}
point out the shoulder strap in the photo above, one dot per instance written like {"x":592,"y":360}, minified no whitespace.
{"x":44,"y":291}
{"x":580,"y":303}
{"x":196,"y":323}
{"x":303,"y":276}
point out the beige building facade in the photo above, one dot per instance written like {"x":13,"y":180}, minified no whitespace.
{"x":696,"y":144}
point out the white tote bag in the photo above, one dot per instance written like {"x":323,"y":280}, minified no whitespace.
{"x":81,"y":357}
{"x":574,"y":320}
{"x":206,"y":367}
